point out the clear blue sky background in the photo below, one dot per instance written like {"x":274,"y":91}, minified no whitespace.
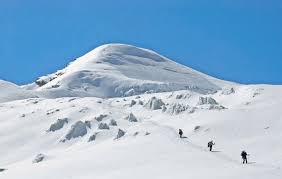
{"x":238,"y":40}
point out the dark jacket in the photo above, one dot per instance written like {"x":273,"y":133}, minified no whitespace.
{"x":180,"y":132}
{"x":244,"y":154}
{"x":210,"y":144}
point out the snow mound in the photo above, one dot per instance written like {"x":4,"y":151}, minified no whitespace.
{"x":120,"y":134}
{"x":131,"y":118}
{"x":88,"y":124}
{"x":116,"y":70}
{"x":103,"y":126}
{"x":209,"y":103}
{"x":39,"y":158}
{"x":93,"y":137}
{"x":79,"y":129}
{"x":133,"y":102}
{"x":196,"y":128}
{"x":206,"y":100}
{"x":154,"y":104}
{"x":177,"y":108}
{"x":227,"y":90}
{"x":59,"y":124}
{"x":216,"y":107}
{"x":183,"y":96}
{"x":113,"y":122}
{"x":101,"y":117}
{"x":140,"y":102}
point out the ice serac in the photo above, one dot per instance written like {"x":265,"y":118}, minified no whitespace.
{"x":115,"y":70}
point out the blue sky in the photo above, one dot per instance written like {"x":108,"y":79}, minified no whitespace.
{"x":233,"y":40}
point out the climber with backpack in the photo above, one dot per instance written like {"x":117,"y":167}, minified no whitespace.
{"x":180,"y":133}
{"x":210,"y":144}
{"x":244,"y":157}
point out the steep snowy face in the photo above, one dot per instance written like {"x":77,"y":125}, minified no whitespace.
{"x":10,"y":92}
{"x":122,"y":70}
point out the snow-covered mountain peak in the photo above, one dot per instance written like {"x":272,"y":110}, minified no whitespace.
{"x":114,"y":70}
{"x":116,"y":54}
{"x":123,"y":49}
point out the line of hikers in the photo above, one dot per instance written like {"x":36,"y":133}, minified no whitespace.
{"x":211,"y":144}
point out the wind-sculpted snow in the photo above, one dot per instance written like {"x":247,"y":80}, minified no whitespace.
{"x":39,"y":158}
{"x":133,"y":102}
{"x":59,"y":124}
{"x":154,"y":104}
{"x":209,"y":103}
{"x":177,"y":108}
{"x":120,"y":133}
{"x":113,"y":122}
{"x":104,"y":126}
{"x":228,"y":90}
{"x":101,"y":117}
{"x":79,"y":129}
{"x":183,"y":96}
{"x":131,"y":118}
{"x":93,"y":137}
{"x":207,"y":100}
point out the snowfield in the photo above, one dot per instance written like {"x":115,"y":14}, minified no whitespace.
{"x":86,"y":122}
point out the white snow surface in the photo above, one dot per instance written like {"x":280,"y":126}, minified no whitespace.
{"x":10,"y":92}
{"x":149,"y":148}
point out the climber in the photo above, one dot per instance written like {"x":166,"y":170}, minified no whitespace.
{"x":180,"y":133}
{"x":244,"y":157}
{"x":210,"y":144}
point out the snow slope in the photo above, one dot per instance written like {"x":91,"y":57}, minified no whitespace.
{"x":115,"y":70}
{"x":150,"y":148}
{"x":101,"y":117}
{"x":10,"y":92}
